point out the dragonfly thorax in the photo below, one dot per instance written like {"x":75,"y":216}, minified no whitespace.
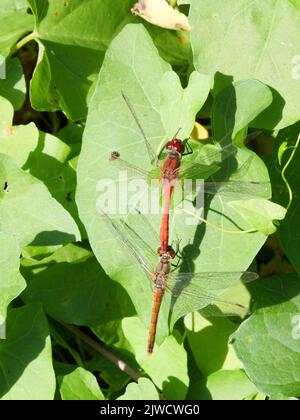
{"x":160,"y":280}
{"x":162,"y":270}
{"x":173,"y":154}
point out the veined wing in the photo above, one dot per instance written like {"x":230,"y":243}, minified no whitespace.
{"x":249,"y":188}
{"x":195,"y":291}
{"x":132,"y":170}
{"x":128,"y":242}
{"x":210,"y":158}
{"x":152,"y":154}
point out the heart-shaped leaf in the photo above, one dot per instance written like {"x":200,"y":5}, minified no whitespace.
{"x":258,"y":41}
{"x":26,"y":371}
{"x":268,"y":343}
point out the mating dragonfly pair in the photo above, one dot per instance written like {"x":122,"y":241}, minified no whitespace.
{"x":204,"y":288}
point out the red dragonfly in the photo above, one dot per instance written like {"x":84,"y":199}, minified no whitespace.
{"x":188,"y":291}
{"x":171,"y":171}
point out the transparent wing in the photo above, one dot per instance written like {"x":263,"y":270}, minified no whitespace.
{"x":194,"y":291}
{"x":250,"y":188}
{"x":142,"y":220}
{"x":210,"y":155}
{"x":152,"y":154}
{"x":127,"y":239}
{"x":132,"y":170}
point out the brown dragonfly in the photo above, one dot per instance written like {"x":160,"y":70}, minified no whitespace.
{"x":188,"y":290}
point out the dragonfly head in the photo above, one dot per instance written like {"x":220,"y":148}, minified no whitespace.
{"x":170,"y":253}
{"x":175,"y":145}
{"x":114,"y":155}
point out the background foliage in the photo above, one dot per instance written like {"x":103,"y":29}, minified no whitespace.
{"x":72,"y":301}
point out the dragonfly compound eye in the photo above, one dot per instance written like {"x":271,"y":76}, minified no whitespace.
{"x":175,"y":144}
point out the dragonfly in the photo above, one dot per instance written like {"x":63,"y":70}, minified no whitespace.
{"x":195,"y":290}
{"x":171,"y":171}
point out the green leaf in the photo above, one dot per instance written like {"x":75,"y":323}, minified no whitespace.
{"x":28,"y":211}
{"x":26,"y":371}
{"x":16,"y":141}
{"x":13,"y":87}
{"x":11,"y":281}
{"x":14,"y":22}
{"x":110,"y":373}
{"x":79,"y":293}
{"x":41,"y":257}
{"x":223,"y":385}
{"x":260,"y":213}
{"x":58,"y":340}
{"x":167,"y":366}
{"x":110,"y":127}
{"x":72,"y":135}
{"x":173,"y":46}
{"x":268,"y":343}
{"x":240,"y":111}
{"x":256,"y":40}
{"x":209,"y":342}
{"x":181,"y":111}
{"x":68,"y":64}
{"x":79,"y":385}
{"x":50,"y":164}
{"x":143,"y":390}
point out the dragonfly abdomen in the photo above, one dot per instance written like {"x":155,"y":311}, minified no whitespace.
{"x":158,"y":293}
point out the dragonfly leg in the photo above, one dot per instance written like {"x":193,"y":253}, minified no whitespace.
{"x":188,"y":148}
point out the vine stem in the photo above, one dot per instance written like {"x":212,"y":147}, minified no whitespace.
{"x":96,"y":346}
{"x":234,"y":232}
{"x":294,"y":148}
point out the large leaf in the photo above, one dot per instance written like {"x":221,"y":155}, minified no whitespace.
{"x":223,"y":385}
{"x":240,"y":111}
{"x":16,"y":141}
{"x":26,"y":371}
{"x":14,"y":22}
{"x":66,"y":61}
{"x":13,"y":87}
{"x":79,"y":385}
{"x":67,"y":65}
{"x":78,"y":293}
{"x":49,"y":163}
{"x":167,"y":366}
{"x":268,"y":343}
{"x":28,"y":211}
{"x":258,"y":40}
{"x":143,"y":390}
{"x":209,"y":342}
{"x":260,"y":213}
{"x":11,"y":281}
{"x":181,"y":111}
{"x":110,"y":127}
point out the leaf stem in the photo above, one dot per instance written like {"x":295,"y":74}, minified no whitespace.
{"x":284,"y":171}
{"x":23,"y":41}
{"x":96,"y":346}
{"x":218,"y":228}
